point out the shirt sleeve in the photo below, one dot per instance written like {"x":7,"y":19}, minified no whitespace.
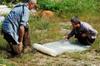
{"x":93,"y":31}
{"x":25,"y":16}
{"x":90,"y":29}
{"x":72,"y":32}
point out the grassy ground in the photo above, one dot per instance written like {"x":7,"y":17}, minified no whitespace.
{"x":42,"y":31}
{"x":48,"y":30}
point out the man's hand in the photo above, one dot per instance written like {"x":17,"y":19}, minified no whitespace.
{"x":20,"y":46}
{"x":66,"y":38}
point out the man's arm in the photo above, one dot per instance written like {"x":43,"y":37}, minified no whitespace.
{"x":90,"y":30}
{"x":20,"y":39}
{"x":21,"y":33}
{"x":69,"y":35}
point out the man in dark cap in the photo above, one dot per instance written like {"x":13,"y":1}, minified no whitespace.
{"x":82,"y":31}
{"x":15,"y":26}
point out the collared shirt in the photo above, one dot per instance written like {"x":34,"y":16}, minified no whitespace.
{"x":19,"y":15}
{"x":84,"y":28}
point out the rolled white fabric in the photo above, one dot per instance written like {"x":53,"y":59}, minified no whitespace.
{"x":45,"y":49}
{"x":59,"y":47}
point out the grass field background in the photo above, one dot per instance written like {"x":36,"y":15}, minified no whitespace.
{"x":48,"y":30}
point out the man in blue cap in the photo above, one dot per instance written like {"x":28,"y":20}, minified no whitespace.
{"x":82,"y":31}
{"x":15,"y":26}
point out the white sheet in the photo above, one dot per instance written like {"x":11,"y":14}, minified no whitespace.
{"x":4,"y":9}
{"x":2,"y":18}
{"x":59,"y":47}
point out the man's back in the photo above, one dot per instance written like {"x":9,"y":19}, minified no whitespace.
{"x":87,"y":27}
{"x":19,"y":15}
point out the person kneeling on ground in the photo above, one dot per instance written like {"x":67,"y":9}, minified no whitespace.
{"x":15,"y":27}
{"x":82,"y":31}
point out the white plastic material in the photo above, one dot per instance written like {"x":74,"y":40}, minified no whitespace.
{"x":3,"y":6}
{"x":4,"y":9}
{"x":2,"y":18}
{"x":59,"y":47}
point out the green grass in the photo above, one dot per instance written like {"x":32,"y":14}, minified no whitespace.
{"x":42,"y":31}
{"x":69,"y":6}
{"x":46,"y":30}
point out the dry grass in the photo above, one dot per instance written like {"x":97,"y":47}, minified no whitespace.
{"x":47,"y":30}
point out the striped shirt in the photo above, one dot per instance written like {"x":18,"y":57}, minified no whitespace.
{"x":19,"y":15}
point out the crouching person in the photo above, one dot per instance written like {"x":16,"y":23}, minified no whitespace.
{"x":15,"y":27}
{"x":84,"y":32}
